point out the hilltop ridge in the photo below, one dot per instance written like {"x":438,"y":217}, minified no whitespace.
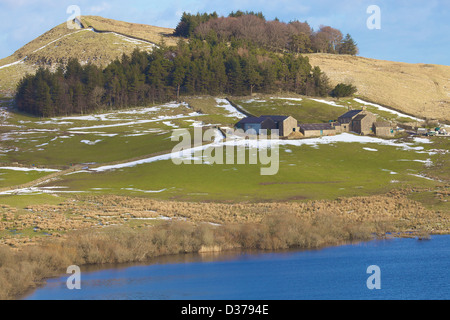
{"x":422,"y":90}
{"x":52,"y":43}
{"x":99,"y":42}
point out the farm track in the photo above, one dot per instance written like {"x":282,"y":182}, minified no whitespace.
{"x":74,"y":168}
{"x":77,"y":167}
{"x":240,"y":108}
{"x":41,"y":180}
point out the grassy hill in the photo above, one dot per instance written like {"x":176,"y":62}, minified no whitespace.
{"x":99,"y":42}
{"x":422,"y":90}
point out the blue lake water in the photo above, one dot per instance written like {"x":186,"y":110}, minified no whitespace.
{"x":410,"y":270}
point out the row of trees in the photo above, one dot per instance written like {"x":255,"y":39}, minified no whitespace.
{"x":200,"y":67}
{"x":189,"y":23}
{"x":295,"y":36}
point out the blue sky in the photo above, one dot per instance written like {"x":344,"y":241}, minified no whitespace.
{"x":414,"y":31}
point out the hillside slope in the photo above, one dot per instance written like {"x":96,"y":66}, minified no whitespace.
{"x":99,"y":42}
{"x":422,"y":90}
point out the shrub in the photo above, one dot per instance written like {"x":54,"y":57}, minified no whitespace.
{"x":343,"y":90}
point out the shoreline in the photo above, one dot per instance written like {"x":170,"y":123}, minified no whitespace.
{"x":268,"y":227}
{"x":180,"y":258}
{"x":221,"y":255}
{"x":215,"y":256}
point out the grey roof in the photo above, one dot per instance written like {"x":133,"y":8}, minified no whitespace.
{"x":316,"y":126}
{"x":359,"y":117}
{"x":277,"y":118}
{"x":350,"y":114}
{"x":381,"y":124}
{"x":262,"y":118}
{"x":252,"y":120}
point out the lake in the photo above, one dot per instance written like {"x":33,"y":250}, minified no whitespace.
{"x":409,"y":270}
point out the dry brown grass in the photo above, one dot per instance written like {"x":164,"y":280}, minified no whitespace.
{"x":97,"y":212}
{"x":264,"y":226}
{"x":87,"y":46}
{"x":142,"y":31}
{"x":394,"y":206}
{"x":422,"y":90}
{"x":24,"y":269}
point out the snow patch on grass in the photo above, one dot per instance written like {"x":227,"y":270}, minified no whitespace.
{"x":144,"y":191}
{"x":170,"y":124}
{"x":381,"y":108}
{"x":91,"y":143}
{"x":36,"y":190}
{"x":132,"y":123}
{"x":232,"y":111}
{"x":289,"y":99}
{"x":423,"y":177}
{"x":331,"y":103}
{"x":28,"y":169}
{"x":422,"y":140}
{"x":258,"y":144}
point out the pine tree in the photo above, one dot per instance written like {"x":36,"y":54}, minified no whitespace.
{"x":234,"y":74}
{"x":348,"y":46}
{"x":180,"y":65}
{"x":252,"y":77}
{"x":73,"y":70}
{"x":321,"y":82}
{"x":43,"y":99}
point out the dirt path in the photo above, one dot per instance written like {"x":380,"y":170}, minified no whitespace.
{"x":240,"y":108}
{"x":41,"y":180}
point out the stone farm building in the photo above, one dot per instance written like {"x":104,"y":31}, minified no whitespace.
{"x":383,"y":129}
{"x":285,"y":124}
{"x":317,"y":129}
{"x":357,"y":121}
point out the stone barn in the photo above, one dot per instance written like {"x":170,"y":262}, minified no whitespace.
{"x":256,"y":123}
{"x":358,"y":121}
{"x":346,"y":120}
{"x":363,"y":123}
{"x":383,"y":129}
{"x":317,"y":129}
{"x":285,"y":124}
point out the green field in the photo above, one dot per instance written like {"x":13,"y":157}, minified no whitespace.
{"x":64,"y":141}
{"x":306,"y":172}
{"x":314,"y":171}
{"x":308,"y":110}
{"x":305,"y":111}
{"x":12,"y":178}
